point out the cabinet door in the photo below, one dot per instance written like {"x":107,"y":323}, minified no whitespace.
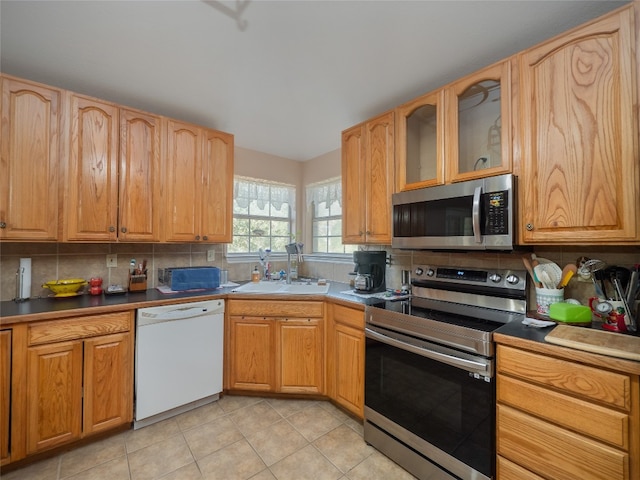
{"x":477,"y":108}
{"x":91,"y":211}
{"x":182,"y":182}
{"x":379,"y":178}
{"x":353,"y":201}
{"x":217,"y":193}
{"x":420,"y":142}
{"x":139,"y":177}
{"x":54,"y":395}
{"x":29,"y":149}
{"x":349,"y":368}
{"x":580,"y":162}
{"x":301,"y":358}
{"x":5,"y":392}
{"x":108,"y":382}
{"x":252,"y":353}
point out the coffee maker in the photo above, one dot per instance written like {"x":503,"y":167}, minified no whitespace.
{"x":370,"y":267}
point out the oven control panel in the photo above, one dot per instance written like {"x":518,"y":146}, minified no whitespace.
{"x":489,"y":279}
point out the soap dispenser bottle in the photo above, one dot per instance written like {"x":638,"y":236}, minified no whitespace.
{"x":255,"y":275}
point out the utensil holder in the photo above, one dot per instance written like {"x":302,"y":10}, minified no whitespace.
{"x":137,"y":283}
{"x":545,"y":297}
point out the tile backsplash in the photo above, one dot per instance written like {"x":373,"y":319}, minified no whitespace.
{"x":52,"y":261}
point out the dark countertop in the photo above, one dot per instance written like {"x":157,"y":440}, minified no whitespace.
{"x":51,"y":308}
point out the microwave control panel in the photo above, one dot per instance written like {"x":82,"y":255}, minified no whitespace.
{"x":497,"y":210}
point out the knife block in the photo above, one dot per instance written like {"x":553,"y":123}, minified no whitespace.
{"x":137,"y":283}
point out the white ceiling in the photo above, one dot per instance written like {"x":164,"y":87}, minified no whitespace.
{"x":286,"y":77}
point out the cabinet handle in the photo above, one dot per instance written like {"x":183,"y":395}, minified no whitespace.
{"x":198,"y":237}
{"x":123,"y":229}
{"x":112,"y":229}
{"x":3,"y":224}
{"x":205,"y":238}
{"x":368,"y":232}
{"x":529,"y":226}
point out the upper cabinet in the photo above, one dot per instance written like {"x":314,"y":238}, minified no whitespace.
{"x":197,"y":184}
{"x":579,"y":135}
{"x":368,"y":181}
{"x":29,"y":162}
{"x":114,"y":163}
{"x":455,"y":133}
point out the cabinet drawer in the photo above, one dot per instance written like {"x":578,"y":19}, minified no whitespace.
{"x":593,"y":420}
{"x":555,"y":453}
{"x":589,"y":382}
{"x":294,"y":308}
{"x":510,"y":471}
{"x":81,"y":327}
{"x":348,"y":316}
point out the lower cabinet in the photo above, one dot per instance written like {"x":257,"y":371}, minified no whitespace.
{"x":276,"y":346}
{"x":5,"y":394}
{"x":345,"y":357}
{"x":559,"y":419}
{"x":78,"y":374}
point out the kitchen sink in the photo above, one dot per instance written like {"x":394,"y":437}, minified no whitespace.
{"x":295,"y":288}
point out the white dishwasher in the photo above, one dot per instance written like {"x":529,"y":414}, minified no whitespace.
{"x":178,"y":364}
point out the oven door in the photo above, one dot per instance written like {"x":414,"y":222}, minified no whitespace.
{"x":434,"y":399}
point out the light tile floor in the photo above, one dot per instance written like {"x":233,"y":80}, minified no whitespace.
{"x":235,"y":438}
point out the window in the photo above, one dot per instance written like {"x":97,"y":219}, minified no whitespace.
{"x":325,"y":201}
{"x":262,"y":216}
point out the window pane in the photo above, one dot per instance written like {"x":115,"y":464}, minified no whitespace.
{"x":335,"y":209}
{"x":281,"y":212}
{"x":320,"y":245}
{"x":280,"y":228}
{"x":335,"y":245}
{"x":334,"y":228}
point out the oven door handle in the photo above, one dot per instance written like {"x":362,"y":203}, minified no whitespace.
{"x":454,"y":361}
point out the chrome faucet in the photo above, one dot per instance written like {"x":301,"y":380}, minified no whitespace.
{"x":293,"y":249}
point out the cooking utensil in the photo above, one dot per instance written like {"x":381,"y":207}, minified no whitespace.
{"x":628,"y":318}
{"x":600,"y":276}
{"x":553,"y":271}
{"x":568,"y":271}
{"x":526,"y":260}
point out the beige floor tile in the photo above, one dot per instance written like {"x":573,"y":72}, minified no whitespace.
{"x":44,"y":470}
{"x":313,"y":422}
{"x":236,"y":462}
{"x":356,"y":426}
{"x":335,"y":411}
{"x":211,"y":437}
{"x":91,"y":455}
{"x":154,"y":433}
{"x":286,"y":407}
{"x":264,"y":475}
{"x":255,"y":417}
{"x":188,"y":472}
{"x":117,"y":469}
{"x":307,"y":463}
{"x":343,"y":447}
{"x":377,"y":466}
{"x":160,"y":458}
{"x":199,"y":416}
{"x":276,"y":442}
{"x":229,"y":403}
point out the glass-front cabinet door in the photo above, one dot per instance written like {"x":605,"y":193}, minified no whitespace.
{"x":477,"y":108}
{"x":420,"y":142}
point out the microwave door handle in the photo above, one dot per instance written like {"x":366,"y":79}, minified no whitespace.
{"x":475,"y":215}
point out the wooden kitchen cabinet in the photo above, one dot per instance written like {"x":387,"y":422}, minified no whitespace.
{"x":368,"y":181}
{"x":443,"y":135}
{"x":198,"y":184}
{"x":29,"y":160}
{"x":5,"y":394}
{"x":559,"y":418}
{"x":578,"y":135}
{"x":79,"y":381}
{"x":113,"y":183}
{"x":345,"y":357}
{"x":276,"y":346}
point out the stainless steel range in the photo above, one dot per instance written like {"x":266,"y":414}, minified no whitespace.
{"x":429,"y":370}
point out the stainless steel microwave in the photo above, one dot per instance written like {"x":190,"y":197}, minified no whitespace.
{"x":471,"y":215}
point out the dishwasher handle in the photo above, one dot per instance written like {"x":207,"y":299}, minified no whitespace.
{"x":149,"y":316}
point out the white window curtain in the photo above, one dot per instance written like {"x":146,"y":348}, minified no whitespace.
{"x":327,"y":192}
{"x":247,"y":189}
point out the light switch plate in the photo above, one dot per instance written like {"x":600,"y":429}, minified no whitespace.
{"x":211,"y":255}
{"x":112,"y":261}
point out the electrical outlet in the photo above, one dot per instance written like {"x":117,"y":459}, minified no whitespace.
{"x":112,"y":261}
{"x":211,"y":255}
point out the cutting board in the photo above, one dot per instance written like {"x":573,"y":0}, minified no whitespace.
{"x":596,"y":341}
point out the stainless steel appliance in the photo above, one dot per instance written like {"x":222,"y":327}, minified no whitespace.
{"x":370,"y":268}
{"x":471,"y":215}
{"x":429,"y":370}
